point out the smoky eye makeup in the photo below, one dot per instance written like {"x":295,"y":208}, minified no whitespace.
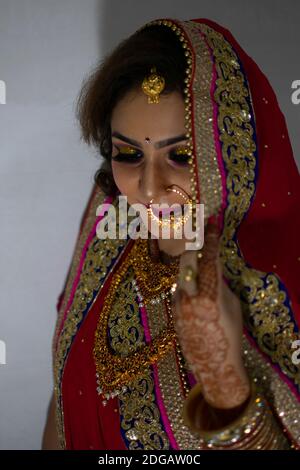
{"x":126,"y":154}
{"x":180,"y":155}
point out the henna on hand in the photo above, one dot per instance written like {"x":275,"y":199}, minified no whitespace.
{"x":210,"y":334}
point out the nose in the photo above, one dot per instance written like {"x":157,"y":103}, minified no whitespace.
{"x":152,"y":182}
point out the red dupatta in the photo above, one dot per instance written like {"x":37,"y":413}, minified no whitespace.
{"x":268,"y":236}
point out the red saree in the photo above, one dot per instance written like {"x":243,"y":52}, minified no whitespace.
{"x":98,"y":425}
{"x":258,"y":200}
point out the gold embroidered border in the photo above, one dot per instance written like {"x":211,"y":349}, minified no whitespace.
{"x":209,"y":174}
{"x":99,"y":256}
{"x":96,"y":197}
{"x":170,"y":383}
{"x":140,"y":416}
{"x":274,"y":389}
{"x":264,"y":301}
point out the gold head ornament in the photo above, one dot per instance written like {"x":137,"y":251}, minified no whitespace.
{"x":153,"y":85}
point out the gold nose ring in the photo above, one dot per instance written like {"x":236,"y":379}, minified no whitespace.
{"x":177,"y":191}
{"x":183,"y":219}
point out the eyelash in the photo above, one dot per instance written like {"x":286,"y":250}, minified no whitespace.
{"x":180,"y":159}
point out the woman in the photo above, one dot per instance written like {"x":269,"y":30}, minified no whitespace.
{"x":162,"y":347}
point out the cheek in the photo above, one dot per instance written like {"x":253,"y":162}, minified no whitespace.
{"x":184,"y":181}
{"x":124,"y":178}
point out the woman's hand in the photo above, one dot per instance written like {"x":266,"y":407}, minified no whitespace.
{"x":209,"y":325}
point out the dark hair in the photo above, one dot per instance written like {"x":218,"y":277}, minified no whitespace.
{"x":120,"y":72}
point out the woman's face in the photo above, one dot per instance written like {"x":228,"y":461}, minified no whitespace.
{"x":142,"y":171}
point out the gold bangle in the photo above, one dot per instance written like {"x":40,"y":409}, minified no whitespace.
{"x":236,"y":431}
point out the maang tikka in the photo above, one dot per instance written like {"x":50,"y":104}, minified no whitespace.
{"x":153,"y":85}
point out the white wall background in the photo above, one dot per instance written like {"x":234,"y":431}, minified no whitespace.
{"x":46,"y":173}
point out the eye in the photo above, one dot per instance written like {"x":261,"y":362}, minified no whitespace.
{"x":127,"y":154}
{"x":180,"y":155}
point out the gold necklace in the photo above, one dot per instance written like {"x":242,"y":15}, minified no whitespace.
{"x":156,"y":282}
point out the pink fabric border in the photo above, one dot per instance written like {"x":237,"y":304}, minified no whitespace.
{"x":161,"y":405}
{"x":107,"y":200}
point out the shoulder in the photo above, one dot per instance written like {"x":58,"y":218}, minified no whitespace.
{"x":96,"y":198}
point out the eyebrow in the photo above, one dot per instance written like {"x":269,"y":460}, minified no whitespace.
{"x":157,"y":145}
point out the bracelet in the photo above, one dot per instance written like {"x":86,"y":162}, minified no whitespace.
{"x":256,"y":428}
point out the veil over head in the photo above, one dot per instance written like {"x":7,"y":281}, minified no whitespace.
{"x":247,"y":178}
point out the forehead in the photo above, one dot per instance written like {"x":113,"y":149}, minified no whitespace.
{"x":134,"y":112}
